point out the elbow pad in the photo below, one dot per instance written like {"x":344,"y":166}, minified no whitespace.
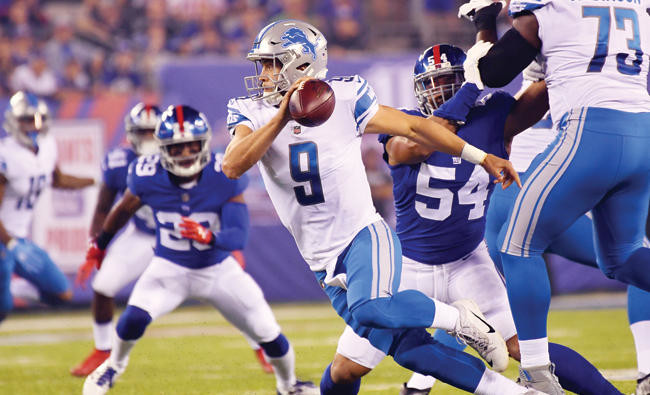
{"x":507,"y":58}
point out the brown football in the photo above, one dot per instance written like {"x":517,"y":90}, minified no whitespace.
{"x":313,"y":103}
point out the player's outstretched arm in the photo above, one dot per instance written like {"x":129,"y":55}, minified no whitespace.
{"x":530,"y":107}
{"x":435,"y":137}
{"x":66,"y":181}
{"x":247,"y":148}
{"x":119,"y":215}
{"x":105,"y":201}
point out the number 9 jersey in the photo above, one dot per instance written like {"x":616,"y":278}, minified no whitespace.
{"x":314,"y":175}
{"x":27,"y":174}
{"x":201,"y":202}
{"x":597,"y":52}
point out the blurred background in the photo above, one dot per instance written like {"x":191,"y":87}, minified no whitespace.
{"x":94,"y":59}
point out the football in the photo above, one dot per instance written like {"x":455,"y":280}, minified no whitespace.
{"x":313,"y":103}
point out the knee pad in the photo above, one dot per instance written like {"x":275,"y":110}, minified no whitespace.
{"x":132,"y":323}
{"x":277,"y":347}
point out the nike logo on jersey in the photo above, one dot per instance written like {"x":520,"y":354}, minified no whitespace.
{"x":491,"y":329}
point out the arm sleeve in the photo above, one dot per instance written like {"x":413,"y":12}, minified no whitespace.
{"x":132,"y":180}
{"x":365,"y":104}
{"x":236,"y":116}
{"x":460,"y":104}
{"x":507,"y":58}
{"x":234,"y":227}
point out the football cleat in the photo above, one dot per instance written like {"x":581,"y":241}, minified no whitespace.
{"x":101,"y":379}
{"x":301,"y":388}
{"x":406,"y":390}
{"x":266,"y":366}
{"x":643,"y":386}
{"x":473,"y":329}
{"x":541,"y":378}
{"x":92,"y":361}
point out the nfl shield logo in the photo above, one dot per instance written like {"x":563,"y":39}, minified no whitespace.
{"x":296,"y":129}
{"x":456,"y":160}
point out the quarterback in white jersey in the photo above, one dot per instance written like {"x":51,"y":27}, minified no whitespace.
{"x":597,"y":76}
{"x":27,"y":167}
{"x":316,"y":180}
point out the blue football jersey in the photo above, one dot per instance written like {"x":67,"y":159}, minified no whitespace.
{"x":115,"y":167}
{"x":203,"y":202}
{"x":440,"y":203}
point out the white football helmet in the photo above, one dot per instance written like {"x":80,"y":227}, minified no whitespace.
{"x":298,"y":47}
{"x":139,"y":122}
{"x":26,"y":119}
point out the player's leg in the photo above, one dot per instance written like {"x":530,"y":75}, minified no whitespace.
{"x":162,"y":287}
{"x":238,"y":297}
{"x":639,"y":316}
{"x":37,"y":267}
{"x":372,"y":264}
{"x":127,"y":258}
{"x":6,"y":270}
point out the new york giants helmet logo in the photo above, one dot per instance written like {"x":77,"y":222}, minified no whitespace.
{"x":295,"y":36}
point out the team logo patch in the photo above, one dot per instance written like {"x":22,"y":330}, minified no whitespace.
{"x":295,"y":36}
{"x":456,"y":160}
{"x":296,"y":129}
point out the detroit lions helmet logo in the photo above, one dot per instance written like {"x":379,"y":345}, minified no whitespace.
{"x":295,"y":36}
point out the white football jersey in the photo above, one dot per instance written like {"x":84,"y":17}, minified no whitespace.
{"x":314,"y":175}
{"x":527,"y":144}
{"x":27,"y":174}
{"x":597,"y":52}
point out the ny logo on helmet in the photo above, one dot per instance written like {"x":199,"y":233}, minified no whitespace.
{"x":295,"y":36}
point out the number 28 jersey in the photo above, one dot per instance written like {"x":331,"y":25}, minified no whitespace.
{"x":597,"y":52}
{"x":314,"y":175}
{"x":27,"y":174}
{"x":440,"y":203}
{"x":202,"y":202}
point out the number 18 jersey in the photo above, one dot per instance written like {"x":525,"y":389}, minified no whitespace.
{"x":314,"y":175}
{"x":597,"y":52}
{"x":440,"y":203}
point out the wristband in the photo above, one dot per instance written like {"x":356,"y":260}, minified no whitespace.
{"x":473,"y":154}
{"x":11,"y":244}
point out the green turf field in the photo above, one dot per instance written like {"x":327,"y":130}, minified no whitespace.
{"x":194,"y":351}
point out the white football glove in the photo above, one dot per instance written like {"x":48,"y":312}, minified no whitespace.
{"x":536,"y":70}
{"x":469,"y":9}
{"x":470,"y":65}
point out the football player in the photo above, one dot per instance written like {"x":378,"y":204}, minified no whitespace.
{"x":28,"y":166}
{"x":597,"y":79}
{"x":317,"y":183}
{"x":200,"y":218}
{"x":131,"y":252}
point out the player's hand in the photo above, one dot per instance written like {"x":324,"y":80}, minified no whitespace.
{"x":284,"y":104}
{"x":536,"y":70}
{"x":472,"y":8}
{"x":94,"y":258}
{"x":474,"y":54}
{"x":502,"y":169}
{"x":195,"y":231}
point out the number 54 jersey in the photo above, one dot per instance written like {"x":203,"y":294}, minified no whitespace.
{"x":440,"y":203}
{"x":597,"y":52}
{"x":201,"y":202}
{"x":314,"y":175}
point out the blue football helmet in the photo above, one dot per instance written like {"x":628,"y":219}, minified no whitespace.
{"x":26,"y":119}
{"x":140,"y":123}
{"x":179,"y":125}
{"x":438,"y":74}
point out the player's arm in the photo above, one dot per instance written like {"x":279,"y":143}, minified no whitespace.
{"x":484,"y":15}
{"x":66,"y":181}
{"x":119,"y":215}
{"x":247,"y":148}
{"x":530,"y":107}
{"x":105,"y":201}
{"x":435,"y":137}
{"x":512,"y":53}
{"x":402,"y":151}
{"x":233,"y":232}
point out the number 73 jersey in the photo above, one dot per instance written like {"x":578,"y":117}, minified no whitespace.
{"x":314,"y":175}
{"x":440,"y":203}
{"x":597,"y":52}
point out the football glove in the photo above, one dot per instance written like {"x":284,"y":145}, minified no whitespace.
{"x":472,"y":8}
{"x":195,"y":231}
{"x":536,"y":70}
{"x":94,"y":258}
{"x":474,"y":54}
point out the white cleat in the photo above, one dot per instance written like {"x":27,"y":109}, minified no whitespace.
{"x":643,"y":386}
{"x":101,"y":379}
{"x":541,"y":378}
{"x":473,"y":329}
{"x":301,"y":388}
